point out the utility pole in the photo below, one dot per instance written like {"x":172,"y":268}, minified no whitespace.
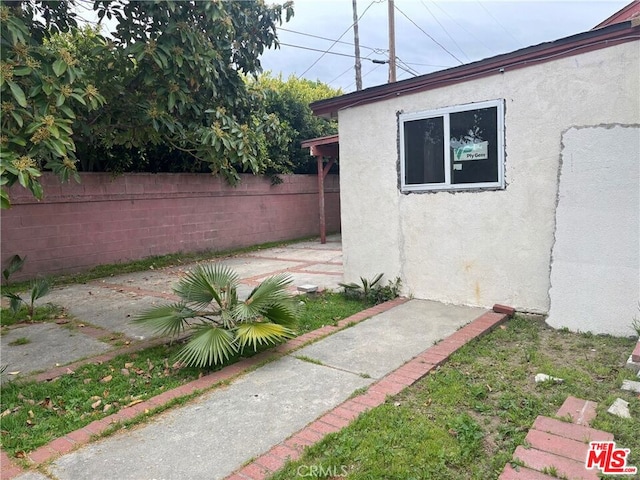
{"x":392,"y":42}
{"x":356,"y":41}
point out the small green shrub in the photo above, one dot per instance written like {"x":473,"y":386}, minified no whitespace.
{"x":39,"y":288}
{"x":371,"y":290}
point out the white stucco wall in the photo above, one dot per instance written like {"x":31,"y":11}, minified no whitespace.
{"x":595,"y":268}
{"x":477,"y":248}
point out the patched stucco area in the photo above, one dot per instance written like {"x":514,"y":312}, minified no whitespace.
{"x":595,"y":265}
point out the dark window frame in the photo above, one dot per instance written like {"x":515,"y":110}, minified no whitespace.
{"x":444,"y":114}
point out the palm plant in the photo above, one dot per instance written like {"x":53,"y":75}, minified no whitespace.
{"x":222,"y":325}
{"x":39,"y":288}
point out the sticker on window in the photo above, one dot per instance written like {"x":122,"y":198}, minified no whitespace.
{"x":471,"y":151}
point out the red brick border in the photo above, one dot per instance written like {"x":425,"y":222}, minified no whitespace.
{"x":8,"y":469}
{"x":635,"y":356}
{"x":345,"y":413}
{"x":83,"y":435}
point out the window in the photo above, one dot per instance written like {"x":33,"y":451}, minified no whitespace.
{"x":453,"y":148}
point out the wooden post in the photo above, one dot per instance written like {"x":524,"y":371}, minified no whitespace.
{"x":323,"y":225}
{"x":392,"y":42}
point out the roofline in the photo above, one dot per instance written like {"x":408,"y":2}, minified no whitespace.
{"x":632,"y":7}
{"x":328,"y":140}
{"x":582,"y":42}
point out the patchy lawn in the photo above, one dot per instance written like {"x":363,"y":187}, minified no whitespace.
{"x":465,"y":420}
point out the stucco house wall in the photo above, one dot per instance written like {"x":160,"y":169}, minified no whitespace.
{"x":478,"y":247}
{"x":595,"y":280}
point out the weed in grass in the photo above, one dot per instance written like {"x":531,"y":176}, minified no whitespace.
{"x":364,"y":375}
{"x":20,"y":341}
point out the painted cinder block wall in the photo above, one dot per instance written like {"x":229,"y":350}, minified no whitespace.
{"x":109,"y":219}
{"x":479,"y":248}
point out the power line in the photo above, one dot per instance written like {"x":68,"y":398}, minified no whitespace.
{"x":336,"y":41}
{"x":325,"y":52}
{"x":462,"y":27}
{"x":376,"y":50}
{"x":302,"y":47}
{"x":407,"y":68}
{"x":496,"y":20}
{"x":427,"y":65}
{"x":433,"y":39}
{"x":370,"y":71}
{"x":445,"y":30}
{"x":349,"y":69}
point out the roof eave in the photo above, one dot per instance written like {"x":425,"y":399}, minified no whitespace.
{"x":586,"y":41}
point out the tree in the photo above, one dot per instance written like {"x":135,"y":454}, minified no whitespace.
{"x":289,"y":101}
{"x":42,"y":87}
{"x":222,"y":325}
{"x":171,"y":75}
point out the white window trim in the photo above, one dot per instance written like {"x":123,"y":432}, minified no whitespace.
{"x":443,"y":112}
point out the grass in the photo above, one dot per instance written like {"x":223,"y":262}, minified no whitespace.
{"x":327,"y":308}
{"x":20,"y":341}
{"x":44,"y":313}
{"x":34,"y":413}
{"x":465,"y":420}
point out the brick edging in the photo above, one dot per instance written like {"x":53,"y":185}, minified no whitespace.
{"x":635,"y":356}
{"x":376,"y":394}
{"x":79,"y":437}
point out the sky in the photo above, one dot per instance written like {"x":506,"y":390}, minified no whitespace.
{"x":461,"y":31}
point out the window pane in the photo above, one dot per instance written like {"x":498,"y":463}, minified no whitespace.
{"x":424,"y":151}
{"x":474,"y":146}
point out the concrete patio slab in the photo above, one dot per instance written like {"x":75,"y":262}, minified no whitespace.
{"x":49,"y":344}
{"x":106,"y":307}
{"x":161,"y":281}
{"x":324,"y":268}
{"x":390,"y":339}
{"x":302,"y":255}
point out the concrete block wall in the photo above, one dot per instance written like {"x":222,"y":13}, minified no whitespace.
{"x":109,"y":219}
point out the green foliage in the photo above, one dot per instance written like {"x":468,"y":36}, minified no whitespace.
{"x":371,"y":290}
{"x":43,"y":313}
{"x":169,"y":80}
{"x":15,"y":264}
{"x":289,"y":101}
{"x":42,"y":86}
{"x":221,"y":324}
{"x":38,"y":289}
